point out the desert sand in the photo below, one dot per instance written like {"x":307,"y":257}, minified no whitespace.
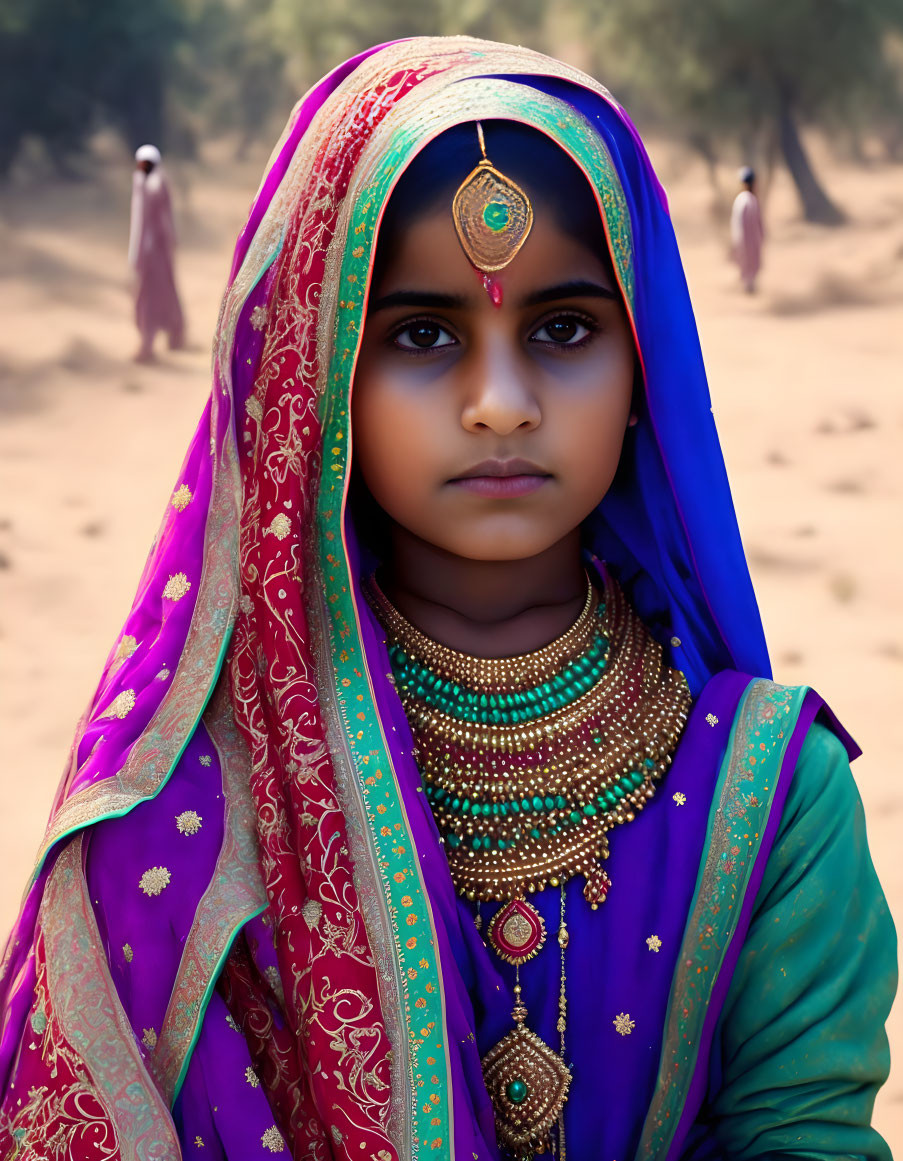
{"x":806,"y":382}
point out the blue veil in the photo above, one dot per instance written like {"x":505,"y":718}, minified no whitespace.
{"x":668,"y":526}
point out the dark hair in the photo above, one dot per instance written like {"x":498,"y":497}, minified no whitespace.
{"x":540,"y":166}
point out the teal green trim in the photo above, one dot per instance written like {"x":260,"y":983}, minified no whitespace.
{"x":762,"y":729}
{"x":267,"y":263}
{"x":145,"y":797}
{"x":205,"y":999}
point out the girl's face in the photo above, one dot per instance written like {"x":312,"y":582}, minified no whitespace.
{"x":491,"y":432}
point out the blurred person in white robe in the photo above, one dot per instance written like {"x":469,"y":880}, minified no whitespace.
{"x":747,"y":230}
{"x":152,"y":243}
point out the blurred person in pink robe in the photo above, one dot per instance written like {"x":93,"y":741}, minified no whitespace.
{"x":747,"y":230}
{"x":152,"y":241}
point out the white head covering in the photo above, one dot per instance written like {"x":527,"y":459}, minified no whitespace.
{"x":148,"y":153}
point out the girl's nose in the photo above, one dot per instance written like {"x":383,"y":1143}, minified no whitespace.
{"x":499,"y":396}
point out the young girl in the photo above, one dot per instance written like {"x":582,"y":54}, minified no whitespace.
{"x":435,"y":801}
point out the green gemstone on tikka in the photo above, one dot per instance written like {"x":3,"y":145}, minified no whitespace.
{"x":589,"y":810}
{"x":574,"y":816}
{"x":537,"y":803}
{"x":549,"y":803}
{"x":496,"y":215}
{"x":453,"y":840}
{"x":561,"y":802}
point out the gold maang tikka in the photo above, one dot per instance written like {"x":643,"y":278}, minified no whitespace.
{"x":492,"y":214}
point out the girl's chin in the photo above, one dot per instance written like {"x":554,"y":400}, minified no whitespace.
{"x":496,"y":546}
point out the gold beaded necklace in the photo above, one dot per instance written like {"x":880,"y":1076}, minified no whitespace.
{"x":528,"y":762}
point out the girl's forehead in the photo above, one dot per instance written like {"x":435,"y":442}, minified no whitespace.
{"x":427,"y":248}
{"x":422,"y":203}
{"x":426,"y":265}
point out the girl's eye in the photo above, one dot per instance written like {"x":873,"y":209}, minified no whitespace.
{"x":423,"y":336}
{"x":566,"y":331}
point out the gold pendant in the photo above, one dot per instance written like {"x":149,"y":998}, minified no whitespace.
{"x":492,"y":214}
{"x":517,"y":932}
{"x":528,"y":1085}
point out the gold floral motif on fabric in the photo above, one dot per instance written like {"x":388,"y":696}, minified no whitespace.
{"x":121,"y":706}
{"x":155,"y":880}
{"x":176,"y":587}
{"x":181,"y":498}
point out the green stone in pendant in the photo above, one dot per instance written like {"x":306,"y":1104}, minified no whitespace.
{"x":517,"y":1092}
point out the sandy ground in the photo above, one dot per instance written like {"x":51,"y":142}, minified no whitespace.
{"x":805,"y":377}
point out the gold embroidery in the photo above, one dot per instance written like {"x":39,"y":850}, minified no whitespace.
{"x":623,"y":1024}
{"x":254,"y":408}
{"x":182,"y":497}
{"x":675,"y":642}
{"x":205,"y":759}
{"x":153,"y":881}
{"x":127,"y":952}
{"x":163,"y":674}
{"x":312,"y":910}
{"x":149,"y":1039}
{"x":258,"y":318}
{"x":251,"y":1077}
{"x":654,"y":943}
{"x":231,"y":1022}
{"x":711,"y":719}
{"x":280,"y":526}
{"x":273,"y":1140}
{"x":272,"y":974}
{"x":679,"y":798}
{"x":188,"y":822}
{"x":120,"y":706}
{"x":176,"y":587}
{"x":125,"y":648}
{"x":199,"y":1141}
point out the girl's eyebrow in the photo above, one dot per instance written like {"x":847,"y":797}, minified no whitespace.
{"x":417,"y":298}
{"x":429,"y":300}
{"x":579,"y":288}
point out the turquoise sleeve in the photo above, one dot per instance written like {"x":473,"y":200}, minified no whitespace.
{"x":800,"y":1050}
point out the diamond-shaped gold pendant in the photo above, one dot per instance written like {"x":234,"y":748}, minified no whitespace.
{"x":528,"y":1085}
{"x":493,"y":217}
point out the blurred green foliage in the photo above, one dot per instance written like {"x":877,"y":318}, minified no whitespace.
{"x":67,"y":66}
{"x":757,"y":70}
{"x":746,"y":74}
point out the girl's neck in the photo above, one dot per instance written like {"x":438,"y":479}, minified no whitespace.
{"x":486,"y":608}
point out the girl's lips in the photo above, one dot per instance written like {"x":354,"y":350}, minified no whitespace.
{"x":501,"y":487}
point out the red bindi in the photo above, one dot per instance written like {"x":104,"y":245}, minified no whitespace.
{"x":493,"y":288}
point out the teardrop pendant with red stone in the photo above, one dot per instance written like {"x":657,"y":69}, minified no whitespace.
{"x":517,"y":932}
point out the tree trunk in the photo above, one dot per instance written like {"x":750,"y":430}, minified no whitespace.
{"x":817,"y":206}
